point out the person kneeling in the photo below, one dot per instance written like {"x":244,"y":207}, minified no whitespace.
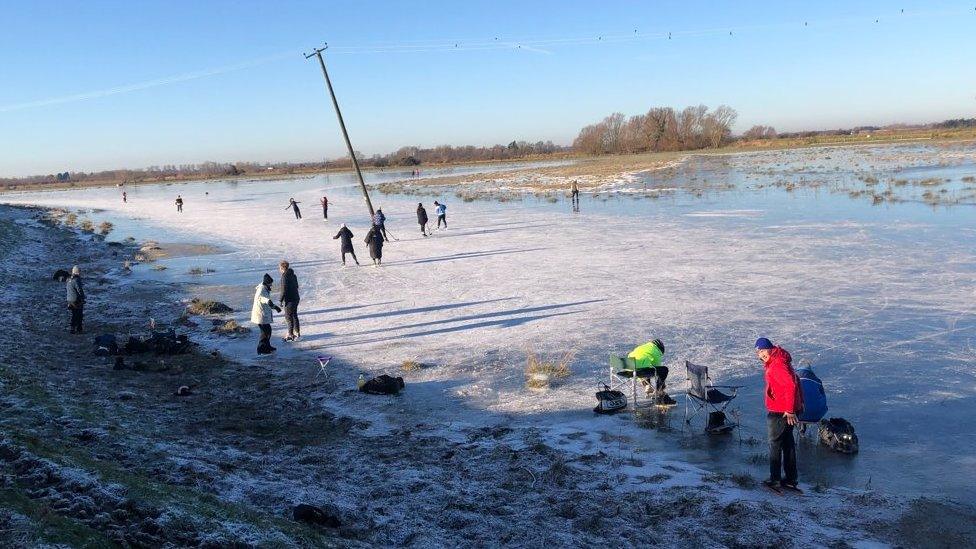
{"x":649,"y":356}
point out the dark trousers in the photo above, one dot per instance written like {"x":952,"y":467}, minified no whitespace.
{"x":291,"y":317}
{"x":264,"y":344}
{"x":325,"y":212}
{"x":575,"y":197}
{"x":423,"y":230}
{"x":658,"y":373}
{"x":179,"y":207}
{"x":442,"y":219}
{"x":77,"y":317}
{"x":353,"y":254}
{"x":782,"y":449}
{"x":298,"y":213}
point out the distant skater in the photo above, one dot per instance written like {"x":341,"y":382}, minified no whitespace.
{"x":76,"y":300}
{"x":441,"y":211}
{"x":375,"y":241}
{"x":294,"y":206}
{"x":345,"y":241}
{"x":379,"y":220}
{"x":575,"y":194}
{"x":124,"y":197}
{"x":422,"y":218}
{"x":325,"y":207}
{"x":179,"y":203}
{"x":261,"y":314}
{"x":289,"y":300}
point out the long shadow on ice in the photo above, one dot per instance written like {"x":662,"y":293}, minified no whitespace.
{"x":349,"y":308}
{"x":503,"y":323}
{"x":481,"y":316}
{"x":467,"y":255}
{"x":414,"y":310}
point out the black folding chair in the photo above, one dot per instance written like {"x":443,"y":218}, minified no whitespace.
{"x":703,"y":395}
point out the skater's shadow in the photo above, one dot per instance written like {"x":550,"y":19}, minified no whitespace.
{"x":468,"y":255}
{"x":481,"y":319}
{"x":411,"y":311}
{"x":349,"y":308}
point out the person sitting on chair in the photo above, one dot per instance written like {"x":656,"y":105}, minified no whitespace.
{"x":649,"y":356}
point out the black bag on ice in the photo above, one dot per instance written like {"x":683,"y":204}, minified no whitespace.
{"x":609,"y":401}
{"x":383,"y":385}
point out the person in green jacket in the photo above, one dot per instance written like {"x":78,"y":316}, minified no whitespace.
{"x":649,"y":356}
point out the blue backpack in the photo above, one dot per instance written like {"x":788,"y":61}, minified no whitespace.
{"x":814,"y":397}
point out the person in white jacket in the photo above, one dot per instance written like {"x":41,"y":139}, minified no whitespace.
{"x":261,"y":313}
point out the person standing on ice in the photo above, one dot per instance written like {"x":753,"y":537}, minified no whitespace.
{"x":76,"y":300}
{"x":294,"y":206}
{"x":649,"y":356}
{"x":179,"y":203}
{"x":261,"y":314}
{"x":325,"y":207}
{"x":575,"y":193}
{"x":375,"y":241}
{"x":783,"y":400}
{"x":289,"y":300}
{"x":379,"y":220}
{"x":345,"y":242}
{"x":441,"y":211}
{"x":422,"y":218}
{"x":124,"y":197}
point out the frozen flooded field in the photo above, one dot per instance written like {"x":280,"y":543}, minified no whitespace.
{"x":877,"y":294}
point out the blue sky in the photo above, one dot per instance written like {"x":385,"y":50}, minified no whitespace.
{"x":98,"y":84}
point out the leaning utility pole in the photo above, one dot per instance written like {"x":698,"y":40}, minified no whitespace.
{"x":342,"y":125}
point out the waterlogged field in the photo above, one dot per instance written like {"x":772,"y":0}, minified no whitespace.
{"x":858,"y":260}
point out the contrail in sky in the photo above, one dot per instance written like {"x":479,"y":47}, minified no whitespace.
{"x":185,"y":77}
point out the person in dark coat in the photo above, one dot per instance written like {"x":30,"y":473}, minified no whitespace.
{"x":294,"y":206}
{"x":325,"y":207}
{"x":289,"y":300}
{"x":375,"y":241}
{"x":379,"y":220}
{"x":179,"y":203}
{"x":422,"y":218}
{"x":76,"y":300}
{"x":345,"y":241}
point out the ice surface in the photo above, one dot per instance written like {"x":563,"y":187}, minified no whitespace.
{"x":880,"y":300}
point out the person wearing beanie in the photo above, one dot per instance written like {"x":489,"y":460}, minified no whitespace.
{"x":647,"y":362}
{"x":345,"y":243}
{"x":422,"y":218}
{"x":261,"y":313}
{"x":379,"y":220}
{"x":76,"y":301}
{"x":783,"y":401}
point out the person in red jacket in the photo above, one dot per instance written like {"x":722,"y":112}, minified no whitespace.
{"x":782,"y":404}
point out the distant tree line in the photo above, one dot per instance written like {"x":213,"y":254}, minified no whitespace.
{"x":660,"y":129}
{"x":444,"y":154}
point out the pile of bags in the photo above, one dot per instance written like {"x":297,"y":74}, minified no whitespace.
{"x":160,"y":343}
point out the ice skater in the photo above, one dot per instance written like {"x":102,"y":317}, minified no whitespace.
{"x":422,"y":218}
{"x":76,"y":300}
{"x":345,"y":242}
{"x":574,"y":191}
{"x":289,"y":300}
{"x":124,"y":197}
{"x":441,"y":211}
{"x":375,"y":241}
{"x":261,"y":314}
{"x":294,"y":206}
{"x":179,"y":203}
{"x":325,"y":207}
{"x":782,"y":403}
{"x":379,"y":220}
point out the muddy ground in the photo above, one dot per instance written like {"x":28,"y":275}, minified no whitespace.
{"x":96,"y":457}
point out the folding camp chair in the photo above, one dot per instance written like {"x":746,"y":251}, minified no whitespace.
{"x":702,"y":394}
{"x":624,"y":371}
{"x":324,"y":361}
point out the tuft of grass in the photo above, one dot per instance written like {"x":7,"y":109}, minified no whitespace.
{"x":541,"y":373}
{"x":412,"y":366}
{"x":197,"y":271}
{"x":71,"y":219}
{"x":159,"y":267}
{"x":87,"y":226}
{"x":969,"y":179}
{"x":105,"y":227}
